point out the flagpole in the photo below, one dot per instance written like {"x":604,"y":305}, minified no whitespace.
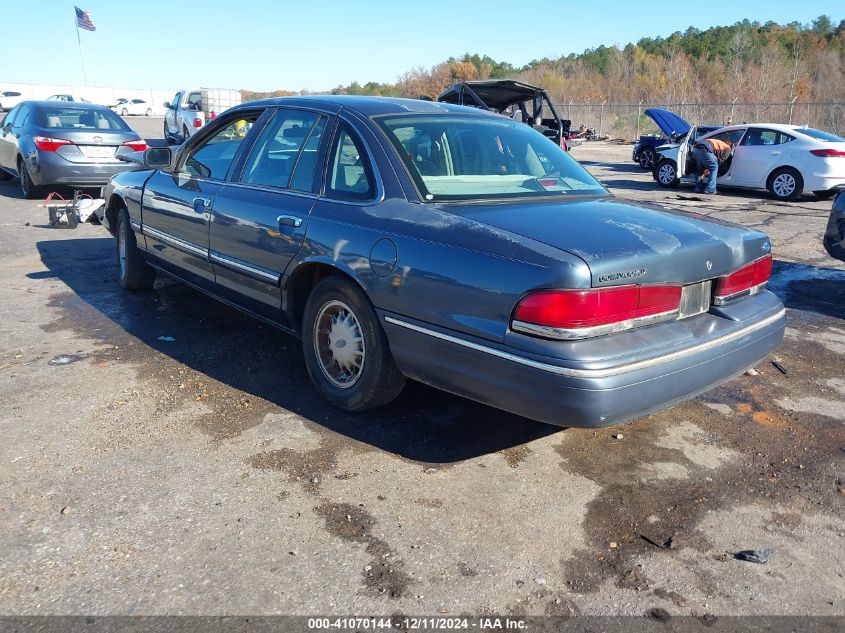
{"x":79,"y":39}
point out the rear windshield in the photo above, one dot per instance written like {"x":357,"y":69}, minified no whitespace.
{"x":820,"y":135}
{"x":454,"y":157}
{"x":81,"y":119}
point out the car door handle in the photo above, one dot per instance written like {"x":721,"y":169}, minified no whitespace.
{"x":776,"y":153}
{"x":289,"y":220}
{"x":201,"y":205}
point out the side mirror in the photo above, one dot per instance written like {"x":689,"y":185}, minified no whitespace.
{"x":158,"y":157}
{"x":167,"y":105}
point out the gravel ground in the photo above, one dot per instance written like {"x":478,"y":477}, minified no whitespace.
{"x":204,"y":476}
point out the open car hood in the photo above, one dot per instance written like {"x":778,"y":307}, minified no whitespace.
{"x":669,"y":122}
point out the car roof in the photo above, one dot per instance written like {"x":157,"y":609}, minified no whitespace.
{"x":367,"y":106}
{"x":495,"y":93}
{"x":66,"y":104}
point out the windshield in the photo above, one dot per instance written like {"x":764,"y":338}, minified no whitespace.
{"x":81,"y":119}
{"x":455,"y":157}
{"x":820,"y":135}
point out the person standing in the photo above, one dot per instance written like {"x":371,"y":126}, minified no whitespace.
{"x":709,"y":153}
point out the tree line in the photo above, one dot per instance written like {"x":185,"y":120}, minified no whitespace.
{"x":749,"y":61}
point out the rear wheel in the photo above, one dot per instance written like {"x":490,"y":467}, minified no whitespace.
{"x":149,"y":112}
{"x":666,"y":174}
{"x":133,"y":273}
{"x":647,"y":158}
{"x":29,"y":190}
{"x":346,"y":350}
{"x":185,"y":132}
{"x":785,"y":184}
{"x":124,"y":112}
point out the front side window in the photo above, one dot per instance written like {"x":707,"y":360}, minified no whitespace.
{"x":285,"y":153}
{"x":213,"y":157}
{"x":11,"y":116}
{"x":731,"y":136}
{"x":453,"y":157}
{"x":350,"y":174}
{"x":81,"y":119}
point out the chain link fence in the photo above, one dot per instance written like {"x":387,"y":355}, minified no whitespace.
{"x":627,"y":121}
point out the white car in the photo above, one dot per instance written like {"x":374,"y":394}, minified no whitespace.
{"x":136,"y":107}
{"x":788,"y":160}
{"x":9,"y":99}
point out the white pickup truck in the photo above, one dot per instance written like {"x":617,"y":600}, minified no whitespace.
{"x":191,"y":109}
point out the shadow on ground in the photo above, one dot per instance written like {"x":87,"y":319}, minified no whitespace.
{"x":423,"y":424}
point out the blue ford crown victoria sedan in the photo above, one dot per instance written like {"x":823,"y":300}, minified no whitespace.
{"x":410,"y":239}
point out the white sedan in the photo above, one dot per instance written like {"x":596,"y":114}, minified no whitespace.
{"x":785,"y":159}
{"x":9,"y":99}
{"x":136,"y":107}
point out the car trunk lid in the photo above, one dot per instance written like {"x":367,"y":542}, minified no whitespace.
{"x":101,"y":146}
{"x":625,"y":243}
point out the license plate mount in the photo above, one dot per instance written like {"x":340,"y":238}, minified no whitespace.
{"x":695,"y":299}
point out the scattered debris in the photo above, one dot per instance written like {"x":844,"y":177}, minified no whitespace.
{"x":669,"y":543}
{"x":780,"y":367}
{"x":659,"y":614}
{"x":66,"y":359}
{"x":752,"y":372}
{"x":65,"y":510}
{"x":168,"y":339}
{"x":618,"y":436}
{"x":613,"y":545}
{"x":759,"y":556}
{"x":540,"y":581}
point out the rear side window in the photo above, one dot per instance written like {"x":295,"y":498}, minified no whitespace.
{"x":350,"y":176}
{"x":11,"y":94}
{"x":81,"y":119}
{"x":756,"y":136}
{"x":285,"y":153}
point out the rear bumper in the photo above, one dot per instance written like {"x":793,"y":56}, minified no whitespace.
{"x":50,"y":169}
{"x":592,"y":393}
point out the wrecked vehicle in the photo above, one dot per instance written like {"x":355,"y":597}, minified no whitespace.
{"x":522,"y":102}
{"x":834,"y":235}
{"x":414,"y":239}
{"x":673,"y":126}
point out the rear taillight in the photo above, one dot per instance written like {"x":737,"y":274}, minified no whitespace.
{"x":581,"y":313}
{"x":49,"y":144}
{"x":137,"y":146}
{"x":827,"y":153}
{"x":747,"y":280}
{"x":197,"y":122}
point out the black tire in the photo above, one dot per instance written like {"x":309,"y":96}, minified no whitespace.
{"x":185,"y":133}
{"x":826,"y":195}
{"x":124,"y":112}
{"x":133,"y":273}
{"x":647,"y":158}
{"x":29,"y":189}
{"x":785,"y":184}
{"x":149,"y":112}
{"x":372,"y":383}
{"x":666,"y":174}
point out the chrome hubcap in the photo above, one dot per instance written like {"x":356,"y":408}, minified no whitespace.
{"x":121,"y":254}
{"x":666,"y":174}
{"x":784,"y":185}
{"x":339,"y":344}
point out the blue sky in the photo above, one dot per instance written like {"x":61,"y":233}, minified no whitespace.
{"x":263,"y":45}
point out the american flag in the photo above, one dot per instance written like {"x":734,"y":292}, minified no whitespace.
{"x":83,"y":20}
